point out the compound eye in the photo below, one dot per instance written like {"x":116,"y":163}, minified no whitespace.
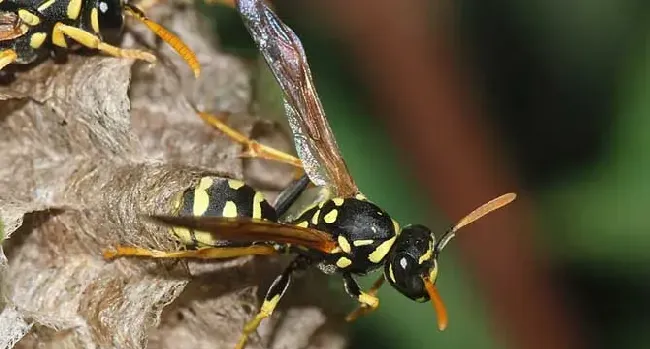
{"x":111,"y":17}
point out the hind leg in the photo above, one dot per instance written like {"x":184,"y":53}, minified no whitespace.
{"x":252,"y":148}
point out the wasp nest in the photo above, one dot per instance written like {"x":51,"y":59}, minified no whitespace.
{"x":86,"y":147}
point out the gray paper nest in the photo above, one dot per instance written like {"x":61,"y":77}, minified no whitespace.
{"x":87,"y":146}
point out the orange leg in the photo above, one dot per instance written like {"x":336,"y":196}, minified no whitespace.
{"x":252,"y":149}
{"x":202,"y":253}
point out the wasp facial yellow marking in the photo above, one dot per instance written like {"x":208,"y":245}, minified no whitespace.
{"x":427,"y":255}
{"x":303,"y":224}
{"x":345,"y":245}
{"x":201,"y":197}
{"x":321,"y":204}
{"x":44,"y":6}
{"x":433,"y":273}
{"x":338,"y":201}
{"x":74,"y":7}
{"x":257,"y":204}
{"x":330,"y":217}
{"x":343,"y":262}
{"x":37,"y":40}
{"x":382,"y":250}
{"x":230,"y":209}
{"x":361,"y":197}
{"x":94,"y":19}
{"x":391,"y":275}
{"x":362,"y":242}
{"x":314,"y":218}
{"x":235,"y":184}
{"x":28,"y":17}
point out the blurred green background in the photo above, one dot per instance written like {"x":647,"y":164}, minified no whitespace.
{"x":568,"y":84}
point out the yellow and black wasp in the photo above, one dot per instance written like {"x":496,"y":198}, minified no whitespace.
{"x":29,"y":29}
{"x":339,"y":231}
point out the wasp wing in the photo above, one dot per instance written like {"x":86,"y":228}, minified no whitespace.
{"x":285,"y":56}
{"x":11,"y":26}
{"x":252,"y":230}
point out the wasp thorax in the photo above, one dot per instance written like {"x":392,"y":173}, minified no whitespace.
{"x":364,"y":232}
{"x":411,"y":259}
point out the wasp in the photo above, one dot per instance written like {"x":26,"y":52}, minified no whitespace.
{"x":31,"y":28}
{"x":338,"y":229}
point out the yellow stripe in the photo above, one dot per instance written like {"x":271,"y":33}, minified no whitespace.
{"x":230,"y":210}
{"x":382,"y":250}
{"x":201,"y":197}
{"x":345,"y":245}
{"x":94,"y":19}
{"x":433,"y":273}
{"x":362,"y":242}
{"x":427,"y":255}
{"x":257,"y":205}
{"x":28,"y":17}
{"x":37,"y":40}
{"x":58,"y":38}
{"x":331,"y":216}
{"x":44,"y":6}
{"x":74,"y":8}
{"x":204,"y":238}
{"x":314,"y":218}
{"x":183,"y":234}
{"x":343,"y":262}
{"x":235,"y":184}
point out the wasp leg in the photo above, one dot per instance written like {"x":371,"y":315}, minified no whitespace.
{"x":272,"y":298}
{"x":92,"y":41}
{"x":171,"y":39}
{"x":367,"y":300}
{"x":7,"y":57}
{"x":253,"y":149}
{"x":364,"y":309}
{"x":202,"y":253}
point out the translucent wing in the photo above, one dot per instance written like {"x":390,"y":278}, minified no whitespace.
{"x":251,"y":230}
{"x":286,"y":58}
{"x":11,"y":26}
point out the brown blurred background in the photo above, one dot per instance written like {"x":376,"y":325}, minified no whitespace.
{"x":456,"y":102}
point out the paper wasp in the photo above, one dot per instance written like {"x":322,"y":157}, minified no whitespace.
{"x":31,"y":28}
{"x":339,"y":231}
